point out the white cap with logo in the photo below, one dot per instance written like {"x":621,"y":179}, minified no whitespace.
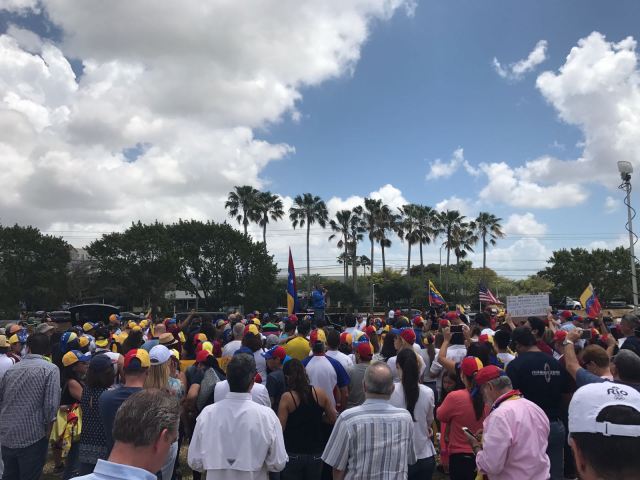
{"x":590,"y":400}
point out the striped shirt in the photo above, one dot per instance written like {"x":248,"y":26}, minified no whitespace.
{"x":373,"y":441}
{"x":29,"y":400}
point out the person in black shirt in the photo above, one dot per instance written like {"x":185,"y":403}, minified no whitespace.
{"x":542,"y":380}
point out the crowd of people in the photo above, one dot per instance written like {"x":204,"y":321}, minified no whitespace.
{"x":261,"y":396}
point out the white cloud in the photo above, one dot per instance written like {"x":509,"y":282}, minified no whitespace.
{"x":191,"y":82}
{"x":611,"y":204}
{"x":455,"y":203}
{"x":515,"y":71}
{"x":597,"y":90}
{"x":514,"y":187}
{"x":525,"y":224}
{"x":522,"y":258}
{"x":440,"y":169}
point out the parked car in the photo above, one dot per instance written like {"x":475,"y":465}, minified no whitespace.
{"x":567,"y":303}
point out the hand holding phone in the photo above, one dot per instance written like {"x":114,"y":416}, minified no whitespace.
{"x":469,"y":435}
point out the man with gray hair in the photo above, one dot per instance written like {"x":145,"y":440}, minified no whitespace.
{"x":629,"y":324}
{"x":514,"y":435}
{"x":231,"y":347}
{"x":375,"y":439}
{"x":145,"y":427}
{"x":235,"y":438}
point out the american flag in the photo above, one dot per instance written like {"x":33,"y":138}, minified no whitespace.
{"x":487,"y":297}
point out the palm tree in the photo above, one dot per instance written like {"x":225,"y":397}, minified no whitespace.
{"x":407,"y":228}
{"x":371,"y":221}
{"x":387,"y":221}
{"x":488,"y":228}
{"x":427,"y":229}
{"x":364,"y":262}
{"x":342,"y":226}
{"x":463,"y":239}
{"x":356,"y":228}
{"x":344,"y":260}
{"x":242,"y":205}
{"x":308,"y":209}
{"x":268,"y":206}
{"x":449,"y":220}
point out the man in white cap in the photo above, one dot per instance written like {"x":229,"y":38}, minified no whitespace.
{"x":604,"y":431}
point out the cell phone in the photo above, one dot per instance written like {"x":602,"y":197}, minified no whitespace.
{"x":456,"y":328}
{"x":585,"y":335}
{"x":468,"y":432}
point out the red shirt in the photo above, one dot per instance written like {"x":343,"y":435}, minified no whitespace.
{"x":457,"y":410}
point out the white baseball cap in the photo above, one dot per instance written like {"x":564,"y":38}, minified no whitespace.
{"x":590,"y":400}
{"x":159,"y":355}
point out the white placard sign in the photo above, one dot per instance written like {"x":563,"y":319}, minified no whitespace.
{"x":528,"y":305}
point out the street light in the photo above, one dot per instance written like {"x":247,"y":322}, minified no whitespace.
{"x":626,"y":169}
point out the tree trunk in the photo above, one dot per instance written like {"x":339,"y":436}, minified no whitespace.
{"x":308,"y":264}
{"x":371,"y":266}
{"x":409,"y":259}
{"x":448,"y":253}
{"x":245,"y":222}
{"x":264,"y":234}
{"x":421,"y":262}
{"x":346,"y":260}
{"x":354,"y":268}
{"x":384,"y":263}
{"x":484,"y":255}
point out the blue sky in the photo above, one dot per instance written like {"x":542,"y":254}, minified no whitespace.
{"x":175,"y":108}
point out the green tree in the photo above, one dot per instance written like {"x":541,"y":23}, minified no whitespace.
{"x":449,"y":221}
{"x":488,"y":228}
{"x":33,"y":270}
{"x":307,"y":210}
{"x":342,"y":226}
{"x":463,"y":239}
{"x":221,"y":266}
{"x":427,"y":229}
{"x":242,"y":204}
{"x":268,"y":206}
{"x":371,"y":221}
{"x":387,"y":221}
{"x":140,"y":260}
{"x":407,"y":228}
{"x":609,"y":272}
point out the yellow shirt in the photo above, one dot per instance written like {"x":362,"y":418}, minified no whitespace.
{"x":297,"y":347}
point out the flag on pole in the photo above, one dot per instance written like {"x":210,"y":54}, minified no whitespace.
{"x":434,"y":295}
{"x":487,"y":297}
{"x":590,"y":302}
{"x":292,"y":291}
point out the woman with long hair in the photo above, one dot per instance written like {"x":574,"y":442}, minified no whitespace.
{"x":463,"y":408}
{"x":302,"y":410}
{"x":159,"y":377}
{"x":93,"y":439}
{"x":450,"y":382}
{"x":419,"y":400}
{"x":388,"y":349}
{"x":74,"y":370}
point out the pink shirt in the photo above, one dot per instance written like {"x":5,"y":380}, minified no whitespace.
{"x":514,"y":442}
{"x":457,"y":410}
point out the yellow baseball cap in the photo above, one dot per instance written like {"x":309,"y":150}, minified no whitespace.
{"x":3,"y":341}
{"x":87,"y":327}
{"x":14,"y":339}
{"x":83,"y":341}
{"x":136,"y":359}
{"x":73,"y":357}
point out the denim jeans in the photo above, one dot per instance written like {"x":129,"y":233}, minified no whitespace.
{"x":422,"y":469}
{"x":302,"y":467}
{"x":25,"y":463}
{"x":555,"y":449}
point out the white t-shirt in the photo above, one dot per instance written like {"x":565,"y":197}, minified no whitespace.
{"x":261,"y":365}
{"x":455,"y":353}
{"x":5,"y":363}
{"x":423,"y":414}
{"x":392,"y":365}
{"x":231,"y":347}
{"x":505,"y":358}
{"x":259,"y":393}
{"x":322,"y":374}
{"x":345,"y":360}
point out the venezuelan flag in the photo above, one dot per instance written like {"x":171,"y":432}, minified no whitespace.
{"x":292,"y":292}
{"x":434,"y":295}
{"x":590,"y":302}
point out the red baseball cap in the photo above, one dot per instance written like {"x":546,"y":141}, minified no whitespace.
{"x":418,"y":321}
{"x":451,"y":316}
{"x":470,"y":365}
{"x":444,"y":323}
{"x":560,"y":335}
{"x":346,"y":338}
{"x":488,"y":373}
{"x":364,"y":350}
{"x":566,"y":314}
{"x":202,"y":356}
{"x":369,"y":330}
{"x":408,"y":335}
{"x":484,"y":338}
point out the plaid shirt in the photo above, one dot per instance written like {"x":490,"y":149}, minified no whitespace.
{"x":29,"y":401}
